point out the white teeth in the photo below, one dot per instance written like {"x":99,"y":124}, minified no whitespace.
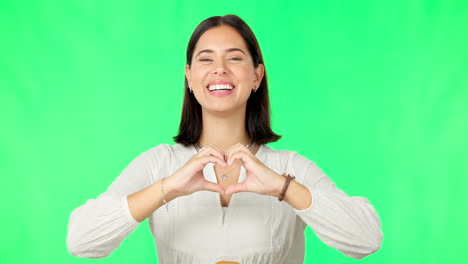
{"x":220,"y":87}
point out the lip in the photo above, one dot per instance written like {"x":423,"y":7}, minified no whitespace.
{"x":220,"y":93}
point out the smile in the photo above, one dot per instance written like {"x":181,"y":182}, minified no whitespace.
{"x":220,"y":87}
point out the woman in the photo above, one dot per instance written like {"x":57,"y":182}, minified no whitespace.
{"x":187,"y":190}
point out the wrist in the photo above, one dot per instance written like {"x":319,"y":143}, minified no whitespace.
{"x":279,"y":183}
{"x":170,"y":192}
{"x":287,"y":182}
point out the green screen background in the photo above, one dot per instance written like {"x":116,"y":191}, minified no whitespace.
{"x":375,"y":92}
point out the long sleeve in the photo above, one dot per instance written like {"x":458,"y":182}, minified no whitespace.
{"x":99,"y":226}
{"x":349,"y":224}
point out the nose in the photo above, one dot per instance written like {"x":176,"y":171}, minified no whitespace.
{"x":220,"y":68}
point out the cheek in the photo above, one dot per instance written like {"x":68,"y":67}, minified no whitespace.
{"x":198,"y":74}
{"x":245,"y":73}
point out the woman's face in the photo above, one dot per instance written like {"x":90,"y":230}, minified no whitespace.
{"x":221,"y":60}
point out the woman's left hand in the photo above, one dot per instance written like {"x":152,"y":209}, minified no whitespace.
{"x":259,"y":178}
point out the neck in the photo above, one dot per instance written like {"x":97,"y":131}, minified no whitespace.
{"x":223,"y":129}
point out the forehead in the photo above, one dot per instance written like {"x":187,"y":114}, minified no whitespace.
{"x":221,"y":37}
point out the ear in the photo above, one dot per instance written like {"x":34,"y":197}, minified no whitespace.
{"x":259,"y":72}
{"x":187,"y":73}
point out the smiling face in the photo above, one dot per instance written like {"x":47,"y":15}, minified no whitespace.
{"x":222,"y":61}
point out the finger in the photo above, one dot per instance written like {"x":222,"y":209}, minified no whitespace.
{"x":234,"y":149}
{"x":207,"y":159}
{"x":235,"y":188}
{"x":241,"y":155}
{"x":235,"y":146}
{"x":240,"y":149}
{"x":213,"y":187}
{"x":213,"y":152}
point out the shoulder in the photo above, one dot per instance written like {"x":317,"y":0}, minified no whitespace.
{"x":293,"y":162}
{"x":287,"y":159}
{"x":167,"y":152}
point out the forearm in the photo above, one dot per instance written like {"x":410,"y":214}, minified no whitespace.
{"x":143,"y":203}
{"x":349,"y":224}
{"x":298,"y":196}
{"x":98,"y":227}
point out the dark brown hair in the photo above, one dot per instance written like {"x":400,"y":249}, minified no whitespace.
{"x":257,"y":120}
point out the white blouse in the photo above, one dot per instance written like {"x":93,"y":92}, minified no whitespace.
{"x":252,"y":229}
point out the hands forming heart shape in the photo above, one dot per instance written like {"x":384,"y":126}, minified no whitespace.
{"x":259,"y":178}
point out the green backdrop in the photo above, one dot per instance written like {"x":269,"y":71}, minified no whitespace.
{"x":375,"y":92}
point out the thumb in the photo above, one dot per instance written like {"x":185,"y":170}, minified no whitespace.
{"x":213,"y":187}
{"x":235,"y":188}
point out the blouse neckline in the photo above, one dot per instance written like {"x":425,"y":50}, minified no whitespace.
{"x":260,"y":149}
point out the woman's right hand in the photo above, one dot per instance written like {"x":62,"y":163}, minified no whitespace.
{"x":189,"y":178}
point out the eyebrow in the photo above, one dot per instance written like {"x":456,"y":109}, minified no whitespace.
{"x":227,"y":50}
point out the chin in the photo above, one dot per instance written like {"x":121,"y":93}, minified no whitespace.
{"x":222,"y":109}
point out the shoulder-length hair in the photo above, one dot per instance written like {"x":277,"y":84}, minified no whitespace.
{"x":257,"y":121}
